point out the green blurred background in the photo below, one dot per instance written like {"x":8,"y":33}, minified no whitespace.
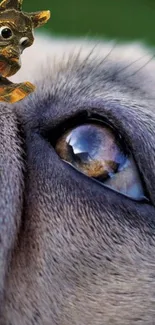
{"x":119,"y":19}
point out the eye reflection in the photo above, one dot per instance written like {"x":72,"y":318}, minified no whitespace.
{"x":95,"y":151}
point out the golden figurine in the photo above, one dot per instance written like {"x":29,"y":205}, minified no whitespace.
{"x":16,"y":34}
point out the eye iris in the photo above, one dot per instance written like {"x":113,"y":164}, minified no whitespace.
{"x":98,"y":152}
{"x":93,"y":150}
{"x":6,"y":33}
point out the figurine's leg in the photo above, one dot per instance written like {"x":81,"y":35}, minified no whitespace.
{"x":11,"y":93}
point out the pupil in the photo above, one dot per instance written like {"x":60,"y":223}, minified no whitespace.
{"x":6,"y":33}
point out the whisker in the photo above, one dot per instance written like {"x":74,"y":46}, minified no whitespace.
{"x":130,"y":64}
{"x":76,"y":56}
{"x":92,"y":51}
{"x":89,"y":55}
{"x":133,"y":74}
{"x":100,"y":61}
{"x":110,"y":52}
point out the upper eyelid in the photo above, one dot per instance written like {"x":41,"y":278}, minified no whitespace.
{"x":83,"y":115}
{"x":111,"y":111}
{"x":106,"y":110}
{"x":53,"y":114}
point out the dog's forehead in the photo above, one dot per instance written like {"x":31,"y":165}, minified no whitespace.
{"x":94,"y":64}
{"x":75,"y":74}
{"x":76,"y":71}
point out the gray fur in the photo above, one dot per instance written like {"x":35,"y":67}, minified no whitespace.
{"x":80,"y":253}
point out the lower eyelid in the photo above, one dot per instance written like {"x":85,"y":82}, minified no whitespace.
{"x":141,"y":199}
{"x":127,"y":182}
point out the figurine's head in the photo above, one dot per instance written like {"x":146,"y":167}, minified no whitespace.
{"x":16,"y":33}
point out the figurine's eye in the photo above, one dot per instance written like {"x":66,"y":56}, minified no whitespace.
{"x":5,"y":32}
{"x":98,"y":152}
{"x":24,"y":42}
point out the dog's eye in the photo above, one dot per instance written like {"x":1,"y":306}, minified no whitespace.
{"x":5,"y":32}
{"x":96,"y":151}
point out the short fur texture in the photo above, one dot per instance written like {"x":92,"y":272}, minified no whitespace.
{"x":73,"y":252}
